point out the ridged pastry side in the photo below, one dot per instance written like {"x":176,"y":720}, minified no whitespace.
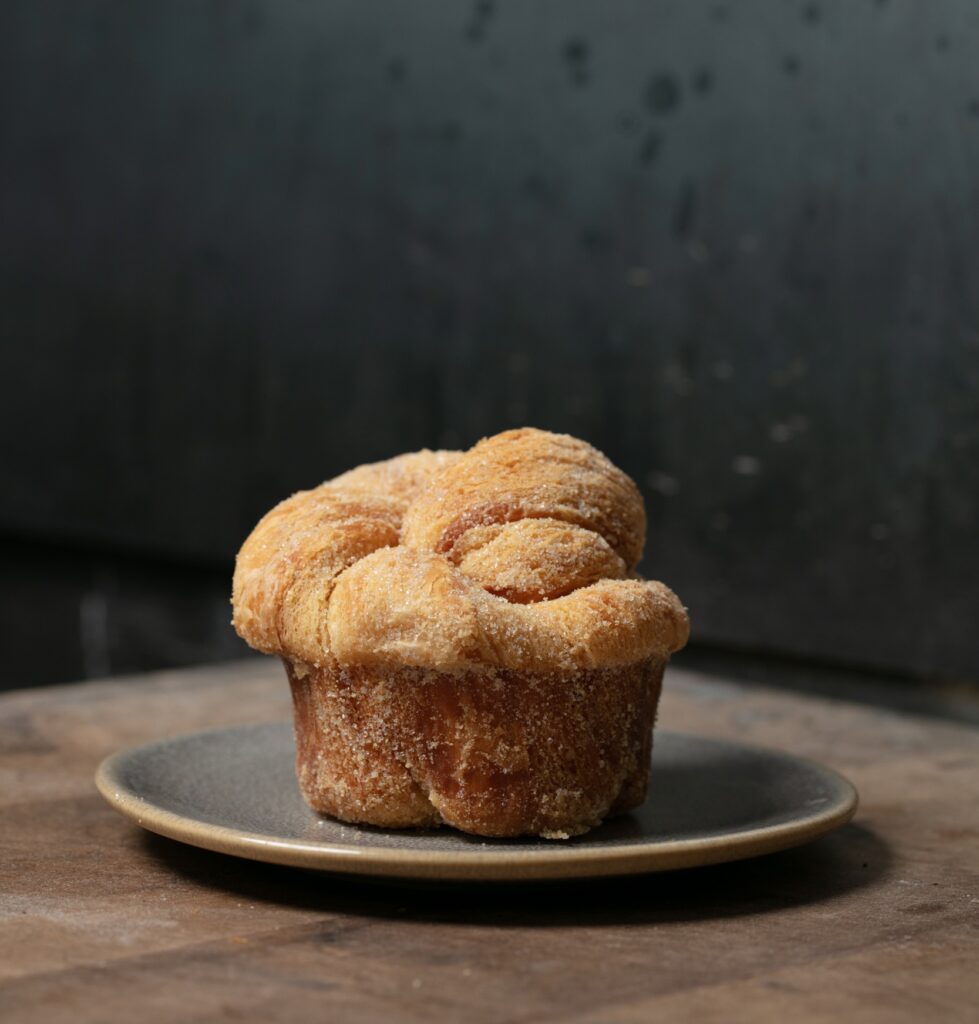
{"x":493,"y":753}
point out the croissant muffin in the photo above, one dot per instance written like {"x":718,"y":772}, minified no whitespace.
{"x":465,"y":636}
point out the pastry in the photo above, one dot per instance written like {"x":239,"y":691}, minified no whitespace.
{"x":465,"y":636}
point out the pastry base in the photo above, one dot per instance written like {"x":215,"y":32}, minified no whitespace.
{"x":491,"y":752}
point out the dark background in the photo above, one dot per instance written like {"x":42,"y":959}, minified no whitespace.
{"x":245,"y":246}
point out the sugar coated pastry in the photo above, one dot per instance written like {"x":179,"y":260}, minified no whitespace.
{"x":466,"y":638}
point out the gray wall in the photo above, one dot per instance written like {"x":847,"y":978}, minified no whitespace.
{"x":246,"y":245}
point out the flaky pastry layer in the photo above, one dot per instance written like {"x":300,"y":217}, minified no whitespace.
{"x":511,"y":555}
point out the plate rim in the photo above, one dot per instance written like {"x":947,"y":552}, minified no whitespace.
{"x":484,"y":864}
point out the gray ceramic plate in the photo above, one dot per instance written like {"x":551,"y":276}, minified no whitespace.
{"x":233,"y":790}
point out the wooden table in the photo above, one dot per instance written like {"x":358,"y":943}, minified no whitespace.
{"x":100,"y":921}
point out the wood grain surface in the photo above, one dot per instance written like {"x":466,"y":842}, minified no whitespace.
{"x":102,"y":922}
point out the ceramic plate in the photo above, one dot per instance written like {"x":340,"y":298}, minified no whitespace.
{"x":233,"y":790}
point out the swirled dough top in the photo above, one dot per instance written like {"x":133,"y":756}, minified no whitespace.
{"x":517,"y":554}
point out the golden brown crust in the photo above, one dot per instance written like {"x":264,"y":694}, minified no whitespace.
{"x":441,"y":609}
{"x":286,"y":569}
{"x":528,"y":474}
{"x":400,"y":479}
{"x":520,"y":585}
{"x":536,"y":559}
{"x":403,"y":607}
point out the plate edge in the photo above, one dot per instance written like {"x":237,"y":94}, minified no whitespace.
{"x":490,"y":865}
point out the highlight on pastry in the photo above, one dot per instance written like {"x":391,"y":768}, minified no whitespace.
{"x":466,"y":638}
